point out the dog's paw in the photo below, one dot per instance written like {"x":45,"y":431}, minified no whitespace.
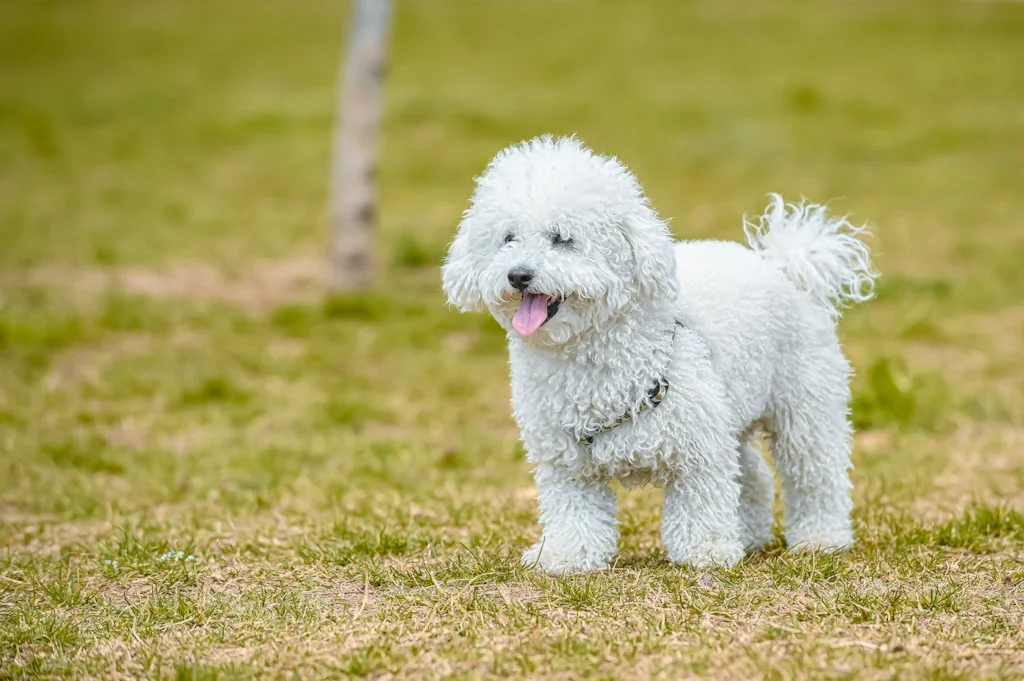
{"x":755,"y":533}
{"x":709,"y":554}
{"x":755,"y":541}
{"x":826,"y":541}
{"x":562,"y":561}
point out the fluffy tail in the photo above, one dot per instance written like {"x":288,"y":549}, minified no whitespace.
{"x":820,"y":254}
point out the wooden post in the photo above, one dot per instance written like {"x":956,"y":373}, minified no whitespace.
{"x":354,"y":165}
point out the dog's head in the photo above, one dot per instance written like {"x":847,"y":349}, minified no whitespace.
{"x":557,"y":240}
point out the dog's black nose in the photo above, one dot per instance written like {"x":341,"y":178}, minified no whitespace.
{"x":520,"y":278}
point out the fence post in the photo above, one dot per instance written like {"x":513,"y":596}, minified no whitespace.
{"x":354,"y":155}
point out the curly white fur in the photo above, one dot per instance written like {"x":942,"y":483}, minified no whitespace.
{"x":745,"y":337}
{"x":821,"y":255}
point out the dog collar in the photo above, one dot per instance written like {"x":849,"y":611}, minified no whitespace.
{"x":654,"y":397}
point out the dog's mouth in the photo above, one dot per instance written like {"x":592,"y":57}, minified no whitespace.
{"x":534,"y":312}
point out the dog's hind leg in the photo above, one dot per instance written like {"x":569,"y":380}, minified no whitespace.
{"x":811,"y":441}
{"x":757,"y":496}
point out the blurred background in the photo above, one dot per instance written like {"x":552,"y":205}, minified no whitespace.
{"x":174,"y":372}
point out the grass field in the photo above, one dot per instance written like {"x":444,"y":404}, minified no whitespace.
{"x":341,"y":476}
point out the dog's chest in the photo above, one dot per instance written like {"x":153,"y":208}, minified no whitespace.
{"x":577,"y":398}
{"x":559,"y":405}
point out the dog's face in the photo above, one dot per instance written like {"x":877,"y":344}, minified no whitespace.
{"x":557,"y":240}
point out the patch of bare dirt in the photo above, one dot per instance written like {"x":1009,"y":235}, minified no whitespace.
{"x":874,"y":440}
{"x":41,"y":536}
{"x":84,"y":363}
{"x":985,"y":461}
{"x":262,"y":284}
{"x":353,"y":599}
{"x":953,"y":362}
{"x":129,"y":433}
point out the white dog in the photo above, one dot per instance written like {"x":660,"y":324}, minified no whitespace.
{"x":638,"y":358}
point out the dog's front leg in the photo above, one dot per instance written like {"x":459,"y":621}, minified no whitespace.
{"x":580,"y":529}
{"x":700,"y":522}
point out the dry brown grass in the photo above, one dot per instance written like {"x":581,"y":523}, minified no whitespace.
{"x":341,"y":476}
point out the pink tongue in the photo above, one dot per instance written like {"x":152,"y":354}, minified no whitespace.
{"x":531,"y":314}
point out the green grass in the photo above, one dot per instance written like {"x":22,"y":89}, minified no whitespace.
{"x":345,"y":472}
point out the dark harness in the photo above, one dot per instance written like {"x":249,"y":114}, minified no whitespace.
{"x":655,"y":396}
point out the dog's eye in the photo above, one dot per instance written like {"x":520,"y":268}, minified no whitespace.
{"x":559,"y":240}
{"x":509,"y":238}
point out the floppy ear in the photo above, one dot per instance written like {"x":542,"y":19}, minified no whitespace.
{"x":459,"y":276}
{"x":654,"y":255}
